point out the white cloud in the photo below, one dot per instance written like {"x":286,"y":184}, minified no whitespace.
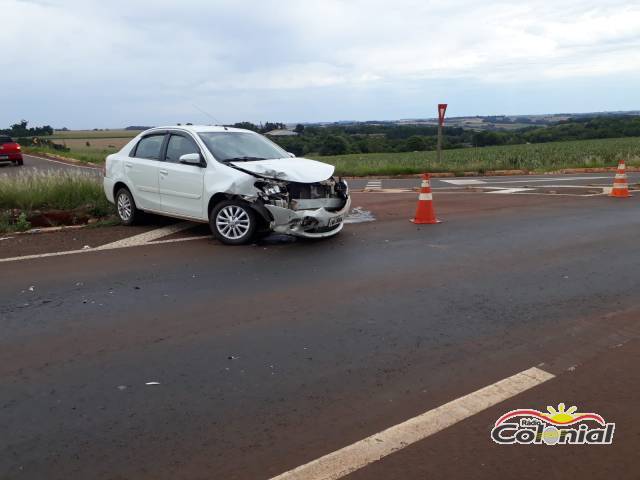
{"x":130,"y":53}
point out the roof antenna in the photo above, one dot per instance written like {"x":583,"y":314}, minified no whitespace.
{"x":216,"y":122}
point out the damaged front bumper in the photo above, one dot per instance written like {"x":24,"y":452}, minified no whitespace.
{"x":316,"y":223}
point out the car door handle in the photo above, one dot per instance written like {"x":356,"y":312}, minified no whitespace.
{"x":164,"y":172}
{"x":128,"y":165}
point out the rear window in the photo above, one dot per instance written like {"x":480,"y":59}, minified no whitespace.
{"x":4,"y":139}
{"x":149,"y":147}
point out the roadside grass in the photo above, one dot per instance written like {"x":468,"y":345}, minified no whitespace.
{"x":83,"y":154}
{"x":538,"y":157}
{"x":24,"y":196}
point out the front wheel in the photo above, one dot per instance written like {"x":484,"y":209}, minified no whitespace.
{"x":126,"y":207}
{"x":233,"y":222}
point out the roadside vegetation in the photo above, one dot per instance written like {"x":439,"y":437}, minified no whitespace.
{"x":534,"y":157}
{"x":49,"y":199}
{"x":385,"y":148}
{"x":381,"y":137}
{"x":84,"y":154}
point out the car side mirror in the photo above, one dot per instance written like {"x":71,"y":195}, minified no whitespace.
{"x":194,"y":159}
{"x":292,"y":155}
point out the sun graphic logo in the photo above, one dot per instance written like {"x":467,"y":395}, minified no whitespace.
{"x":561,"y":426}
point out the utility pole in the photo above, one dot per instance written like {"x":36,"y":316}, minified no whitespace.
{"x":442,"y":108}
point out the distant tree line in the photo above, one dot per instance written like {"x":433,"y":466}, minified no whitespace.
{"x":368,"y":138}
{"x":21,"y":129}
{"x":262,"y":128}
{"x":375,"y":137}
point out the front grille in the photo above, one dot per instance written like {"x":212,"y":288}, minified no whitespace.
{"x":308,"y":190}
{"x":323,"y":229}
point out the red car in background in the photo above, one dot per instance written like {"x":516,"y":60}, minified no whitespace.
{"x":10,"y":151}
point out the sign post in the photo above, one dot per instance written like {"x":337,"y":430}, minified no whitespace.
{"x":442,"y":108}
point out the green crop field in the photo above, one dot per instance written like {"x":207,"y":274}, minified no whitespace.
{"x":92,"y":134}
{"x":536,"y":157}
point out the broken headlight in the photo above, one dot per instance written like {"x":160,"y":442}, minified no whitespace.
{"x":269,"y":188}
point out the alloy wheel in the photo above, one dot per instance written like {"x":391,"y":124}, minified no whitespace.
{"x":124,"y":207}
{"x":233,"y":222}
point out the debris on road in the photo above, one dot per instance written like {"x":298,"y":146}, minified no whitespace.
{"x":359,"y":215}
{"x":152,"y":383}
{"x":122,"y":387}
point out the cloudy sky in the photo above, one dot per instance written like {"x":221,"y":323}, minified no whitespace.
{"x":85,"y":63}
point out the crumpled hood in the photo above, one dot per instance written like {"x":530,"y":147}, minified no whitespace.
{"x":291,"y":169}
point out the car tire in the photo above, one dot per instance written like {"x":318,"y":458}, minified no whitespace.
{"x":233,"y":222}
{"x":18,"y":163}
{"x":126,"y":207}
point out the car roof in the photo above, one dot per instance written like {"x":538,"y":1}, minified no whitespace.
{"x":199,"y":128}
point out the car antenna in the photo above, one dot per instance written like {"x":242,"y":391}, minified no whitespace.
{"x":206,"y":113}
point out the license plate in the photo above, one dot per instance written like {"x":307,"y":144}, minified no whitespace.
{"x":4,"y":157}
{"x":334,"y":221}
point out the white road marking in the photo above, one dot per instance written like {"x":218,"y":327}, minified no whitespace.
{"x":97,"y":169}
{"x":44,"y":255}
{"x":464,"y":182}
{"x":394,"y":190}
{"x":553,"y":179}
{"x":508,"y":190}
{"x":373,"y":185}
{"x":360,"y":454}
{"x":183,"y":239}
{"x":146,"y":238}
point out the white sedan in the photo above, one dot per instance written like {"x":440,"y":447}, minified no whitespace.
{"x":238,"y":181}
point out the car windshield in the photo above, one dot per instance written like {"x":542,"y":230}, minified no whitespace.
{"x":240,"y":146}
{"x":5,"y":140}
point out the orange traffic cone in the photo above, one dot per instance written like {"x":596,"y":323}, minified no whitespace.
{"x":425,"y":214}
{"x":620,"y":188}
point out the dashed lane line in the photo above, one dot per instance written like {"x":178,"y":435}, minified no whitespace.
{"x":360,"y":454}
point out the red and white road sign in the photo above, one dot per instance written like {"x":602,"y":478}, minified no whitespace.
{"x":442,"y":108}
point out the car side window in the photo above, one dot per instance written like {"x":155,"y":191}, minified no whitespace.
{"x":150,"y":147}
{"x":180,"y":145}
